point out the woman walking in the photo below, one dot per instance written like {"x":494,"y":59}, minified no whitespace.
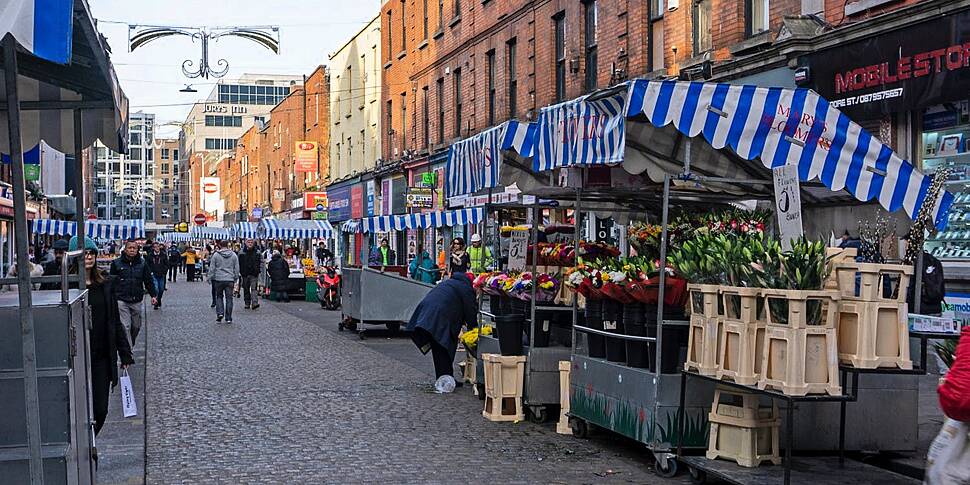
{"x":279,"y":272}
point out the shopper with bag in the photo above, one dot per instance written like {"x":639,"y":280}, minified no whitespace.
{"x":250,"y":263}
{"x":223,"y":274}
{"x":134,"y":279}
{"x":109,"y":341}
{"x":437,"y":321}
{"x":948,"y":460}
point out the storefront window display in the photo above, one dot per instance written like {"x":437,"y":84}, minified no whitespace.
{"x":946,"y":144}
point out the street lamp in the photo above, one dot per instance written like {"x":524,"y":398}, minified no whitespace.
{"x":264,"y":35}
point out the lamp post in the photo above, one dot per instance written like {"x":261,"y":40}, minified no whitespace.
{"x":264,"y":35}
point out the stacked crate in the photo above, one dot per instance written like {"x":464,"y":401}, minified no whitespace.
{"x":742,"y":430}
{"x":703,"y":343}
{"x":873,"y":315}
{"x":742,"y":334}
{"x":503,"y":387}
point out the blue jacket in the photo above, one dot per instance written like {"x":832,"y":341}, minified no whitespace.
{"x":443,"y":311}
{"x":423,"y":269}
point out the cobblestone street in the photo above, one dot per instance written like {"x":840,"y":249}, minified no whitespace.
{"x":282,"y":397}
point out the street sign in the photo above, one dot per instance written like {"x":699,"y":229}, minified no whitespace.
{"x":199,"y":219}
{"x":788,"y":204}
{"x":305,"y":156}
{"x":256,"y":212}
{"x":518,"y":247}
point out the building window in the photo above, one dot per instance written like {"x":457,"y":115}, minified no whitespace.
{"x":702,"y":26}
{"x":404,"y":30}
{"x":425,"y":121}
{"x":390,"y":38}
{"x":560,"y":43}
{"x":165,"y":170}
{"x":425,"y":30}
{"x":457,"y":8}
{"x":220,"y":143}
{"x":404,"y":121}
{"x":175,"y":154}
{"x":457,"y":80}
{"x":756,"y":16}
{"x":164,"y":153}
{"x":150,"y":155}
{"x":390,"y":125}
{"x":255,"y":94}
{"x":363,"y":148}
{"x":658,"y":7}
{"x":440,"y":99}
{"x":441,"y":14}
{"x":513,"y":81}
{"x":135,"y":154}
{"x":490,"y":85}
{"x":590,"y":23}
{"x":134,"y":138}
{"x":219,"y":120}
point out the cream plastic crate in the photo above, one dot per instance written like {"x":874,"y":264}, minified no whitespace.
{"x":702,"y":345}
{"x":742,"y":304}
{"x":469,"y":369}
{"x":562,"y":427}
{"x":742,"y":348}
{"x":873,"y":282}
{"x":836,"y":256}
{"x":801,"y":308}
{"x":742,"y":430}
{"x":503,"y":387}
{"x":704,"y":300}
{"x":874,"y":334}
{"x":800,"y":361}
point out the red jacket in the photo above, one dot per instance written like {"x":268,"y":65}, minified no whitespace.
{"x":955,"y":390}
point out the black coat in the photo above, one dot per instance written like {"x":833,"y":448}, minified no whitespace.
{"x":933,"y":288}
{"x":51,"y":268}
{"x":134,"y":278}
{"x":249,"y":262}
{"x":279,"y":272}
{"x":158,"y":264}
{"x":117,"y":343}
{"x":444,"y":310}
{"x":174,"y":257}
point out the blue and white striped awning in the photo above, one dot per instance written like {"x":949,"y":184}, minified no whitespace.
{"x":775,"y":125}
{"x":427,"y":220}
{"x":352,"y":225}
{"x":216,"y":233}
{"x":246,"y":230}
{"x":296,"y":229}
{"x":94,"y":228}
{"x":475,"y":163}
{"x":175,"y":237}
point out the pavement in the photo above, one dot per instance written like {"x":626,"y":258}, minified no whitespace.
{"x":280,"y":396}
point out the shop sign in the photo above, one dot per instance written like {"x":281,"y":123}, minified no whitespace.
{"x":788,"y":204}
{"x":604,"y":230}
{"x":420,"y":198}
{"x":518,"y":248}
{"x":370,"y":197}
{"x":318,"y":215}
{"x":313,"y":199}
{"x":917,"y":66}
{"x":279,"y":194}
{"x":357,"y":201}
{"x":256,"y":213}
{"x":339,"y":203}
{"x":305,"y":156}
{"x":297,"y":203}
{"x":399,"y":189}
{"x":429,"y":179}
{"x":32,"y":172}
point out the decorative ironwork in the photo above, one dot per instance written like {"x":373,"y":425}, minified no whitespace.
{"x":264,"y":35}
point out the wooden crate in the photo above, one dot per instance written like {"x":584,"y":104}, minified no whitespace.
{"x":874,"y":334}
{"x":702,"y":345}
{"x":741,"y":351}
{"x":503,"y":387}
{"x":801,"y":308}
{"x":562,"y":427}
{"x":800,"y":361}
{"x":873,"y":282}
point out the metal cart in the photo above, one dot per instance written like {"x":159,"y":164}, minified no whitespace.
{"x":372,"y":297}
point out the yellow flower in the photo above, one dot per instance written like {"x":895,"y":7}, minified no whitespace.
{"x":605,"y":276}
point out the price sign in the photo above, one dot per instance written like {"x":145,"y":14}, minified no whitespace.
{"x":518,"y":247}
{"x":788,"y":204}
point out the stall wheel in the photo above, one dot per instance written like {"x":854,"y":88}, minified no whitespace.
{"x":394,"y":327}
{"x":580,"y":428}
{"x":537,"y":414}
{"x":665,"y":467}
{"x":697,"y":477}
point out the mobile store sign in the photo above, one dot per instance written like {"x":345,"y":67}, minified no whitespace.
{"x":921,"y":65}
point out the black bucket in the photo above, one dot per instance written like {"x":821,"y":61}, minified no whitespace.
{"x":543,"y":327}
{"x":637,"y":353}
{"x":613,"y":322}
{"x":519,"y":307}
{"x":509,"y":328}
{"x":594,"y":320}
{"x":673,"y":343}
{"x":495,"y":305}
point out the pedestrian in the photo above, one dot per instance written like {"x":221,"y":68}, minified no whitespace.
{"x":459,"y":261}
{"x":134,"y":279}
{"x":382,"y":255}
{"x":158,"y":264}
{"x":223,"y":274}
{"x":112,"y":247}
{"x":422,"y":268}
{"x":174,"y":261}
{"x":106,"y":334}
{"x":436,"y":322}
{"x":324,"y":255}
{"x":36,"y":271}
{"x":479,"y":256}
{"x":250,"y":263}
{"x":53,"y":267}
{"x":189,"y":256}
{"x":279,"y":273}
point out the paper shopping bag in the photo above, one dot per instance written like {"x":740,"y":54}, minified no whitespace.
{"x":128,"y":395}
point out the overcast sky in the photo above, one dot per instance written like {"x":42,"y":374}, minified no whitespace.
{"x":310,"y":30}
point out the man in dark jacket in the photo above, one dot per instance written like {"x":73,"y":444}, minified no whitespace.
{"x":382,"y":255}
{"x":53,"y":267}
{"x":250,"y":263}
{"x":279,"y":273}
{"x":438,"y":319}
{"x":324,"y":255}
{"x":134,"y":279}
{"x":158,"y":264}
{"x":174,"y":260}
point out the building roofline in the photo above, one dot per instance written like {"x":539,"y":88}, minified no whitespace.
{"x":356,"y":34}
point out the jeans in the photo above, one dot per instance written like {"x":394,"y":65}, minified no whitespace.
{"x":172,"y":271}
{"x":159,"y":287}
{"x":250,"y":287}
{"x":215,"y":292}
{"x":223,"y":292}
{"x":130,"y":318}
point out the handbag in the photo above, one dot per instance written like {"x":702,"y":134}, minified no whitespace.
{"x":128,"y":395}
{"x":948,"y":460}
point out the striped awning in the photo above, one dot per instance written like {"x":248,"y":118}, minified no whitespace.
{"x":175,"y":237}
{"x":217,"y":233}
{"x":475,"y":163}
{"x":777,"y":126}
{"x":94,"y":228}
{"x":352,"y":225}
{"x":246,"y":230}
{"x":427,"y":220}
{"x":296,"y":229}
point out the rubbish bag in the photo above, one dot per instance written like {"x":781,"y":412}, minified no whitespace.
{"x":128,"y":395}
{"x":444,"y":385}
{"x":948,"y":460}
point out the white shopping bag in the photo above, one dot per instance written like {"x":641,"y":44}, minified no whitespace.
{"x":948,"y":460}
{"x":128,"y":395}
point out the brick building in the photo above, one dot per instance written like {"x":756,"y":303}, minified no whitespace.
{"x":167,"y":202}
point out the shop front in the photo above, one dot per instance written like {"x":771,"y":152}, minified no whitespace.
{"x":338,"y":211}
{"x":7,"y":240}
{"x":426,"y":194}
{"x":911,"y":88}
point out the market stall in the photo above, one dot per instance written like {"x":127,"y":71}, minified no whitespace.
{"x":631,"y":149}
{"x":93,"y":228}
{"x":301,"y":281}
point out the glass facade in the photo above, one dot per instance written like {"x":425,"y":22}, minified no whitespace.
{"x":219,"y":120}
{"x":251,"y":94}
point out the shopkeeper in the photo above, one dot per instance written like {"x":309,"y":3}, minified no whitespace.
{"x":382,"y":255}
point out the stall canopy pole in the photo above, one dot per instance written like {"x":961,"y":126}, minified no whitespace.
{"x":79,"y":193}
{"x":663,"y":279}
{"x":23,"y":263}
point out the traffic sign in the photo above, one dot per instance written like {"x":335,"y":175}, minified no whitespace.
{"x":199,"y":219}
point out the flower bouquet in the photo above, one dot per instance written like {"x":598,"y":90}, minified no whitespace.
{"x":645,"y":239}
{"x":596,"y":250}
{"x":557,"y":254}
{"x":470,"y":338}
